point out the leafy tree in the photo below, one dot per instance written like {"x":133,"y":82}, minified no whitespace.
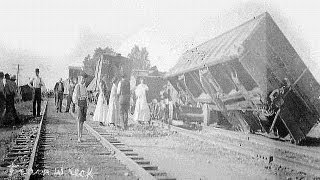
{"x":90,"y":63}
{"x":140,"y":58}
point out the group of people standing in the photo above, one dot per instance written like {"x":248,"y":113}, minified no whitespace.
{"x":114,"y":110}
{"x":8,"y":92}
{"x":167,"y":108}
{"x":112,"y":105}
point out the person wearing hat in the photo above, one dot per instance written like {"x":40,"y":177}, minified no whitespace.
{"x":10,"y":92}
{"x":36,"y":83}
{"x":72,"y":84}
{"x":15,"y":86}
{"x":59,"y":89}
{"x":80,"y":99}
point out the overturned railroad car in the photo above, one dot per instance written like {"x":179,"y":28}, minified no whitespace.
{"x":110,"y":66}
{"x":74,"y":72}
{"x":251,"y":79}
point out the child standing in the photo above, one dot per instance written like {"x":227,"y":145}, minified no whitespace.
{"x":80,"y":98}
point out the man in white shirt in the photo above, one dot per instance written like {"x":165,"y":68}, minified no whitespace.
{"x":36,"y":83}
{"x":80,"y":98}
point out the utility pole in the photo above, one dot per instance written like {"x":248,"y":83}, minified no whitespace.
{"x":18,"y":71}
{"x":18,"y":75}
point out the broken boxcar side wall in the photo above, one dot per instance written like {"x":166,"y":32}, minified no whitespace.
{"x":269,"y":59}
{"x":254,"y":59}
{"x":308,"y":86}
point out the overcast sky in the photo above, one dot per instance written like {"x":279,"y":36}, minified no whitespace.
{"x":54,"y":34}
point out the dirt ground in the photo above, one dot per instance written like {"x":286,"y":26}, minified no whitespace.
{"x":185,"y":158}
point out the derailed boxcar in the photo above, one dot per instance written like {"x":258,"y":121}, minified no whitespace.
{"x":252,"y":79}
{"x":111,"y":66}
{"x":74,"y":72}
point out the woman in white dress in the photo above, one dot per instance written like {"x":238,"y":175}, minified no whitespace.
{"x":100,"y":112}
{"x":142,"y":111}
{"x":112,"y":113}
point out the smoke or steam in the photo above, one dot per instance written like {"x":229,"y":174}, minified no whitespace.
{"x":88,"y":42}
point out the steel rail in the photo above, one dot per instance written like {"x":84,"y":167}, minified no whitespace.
{"x":266,"y":142}
{"x":133,"y":166}
{"x":129,"y":162}
{"x":259,"y":149}
{"x":35,"y":145}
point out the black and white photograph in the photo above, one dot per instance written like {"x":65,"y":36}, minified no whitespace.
{"x":159,"y":90}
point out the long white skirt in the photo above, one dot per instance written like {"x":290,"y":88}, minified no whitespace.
{"x":100,"y":113}
{"x":141,"y":111}
{"x":112,"y":113}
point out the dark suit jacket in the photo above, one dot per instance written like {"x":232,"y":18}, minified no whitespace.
{"x":124,"y":95}
{"x":57,"y":86}
{"x":124,"y":87}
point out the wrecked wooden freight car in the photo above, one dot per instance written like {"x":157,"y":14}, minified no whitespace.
{"x":110,"y":66}
{"x":252,"y":79}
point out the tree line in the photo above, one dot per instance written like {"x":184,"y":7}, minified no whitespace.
{"x":140,"y":57}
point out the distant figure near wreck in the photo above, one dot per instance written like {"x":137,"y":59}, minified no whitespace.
{"x":72,"y":84}
{"x":100,"y":113}
{"x":123,"y":92}
{"x":59,"y":89}
{"x":142,"y":111}
{"x":112,"y":114}
{"x":36,"y":83}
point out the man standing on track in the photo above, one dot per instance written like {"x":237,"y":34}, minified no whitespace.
{"x":36,"y":83}
{"x":59,"y":89}
{"x":80,"y":98}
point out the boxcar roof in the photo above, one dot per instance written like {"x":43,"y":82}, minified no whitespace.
{"x":224,"y":47}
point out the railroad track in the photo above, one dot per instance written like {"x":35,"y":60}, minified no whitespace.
{"x":59,"y":155}
{"x":141,"y":167}
{"x":274,"y":153}
{"x":18,"y":162}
